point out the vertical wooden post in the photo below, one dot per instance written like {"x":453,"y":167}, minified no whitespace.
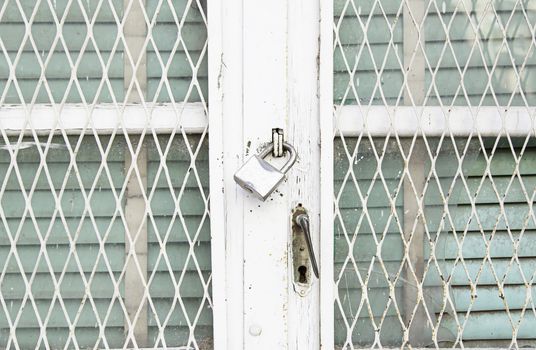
{"x":304,"y":183}
{"x":327,"y":213}
{"x":225,"y":58}
{"x":414,"y":65}
{"x":136,"y":216}
{"x":266,"y":224}
{"x":135,"y":32}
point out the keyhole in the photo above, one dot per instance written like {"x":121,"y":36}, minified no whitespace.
{"x":303,"y":274}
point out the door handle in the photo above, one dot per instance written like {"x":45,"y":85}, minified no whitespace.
{"x":303,"y":221}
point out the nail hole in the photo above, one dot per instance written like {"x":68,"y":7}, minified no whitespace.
{"x":303,"y":274}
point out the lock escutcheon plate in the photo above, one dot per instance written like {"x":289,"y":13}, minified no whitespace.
{"x":301,"y":264}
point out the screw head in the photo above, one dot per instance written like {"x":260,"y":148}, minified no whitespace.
{"x":255,"y":330}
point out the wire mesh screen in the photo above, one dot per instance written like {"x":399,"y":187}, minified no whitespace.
{"x":104,"y":240}
{"x":434,"y":173}
{"x":473,"y":53}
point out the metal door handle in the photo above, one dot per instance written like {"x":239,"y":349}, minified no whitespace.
{"x":303,"y":221}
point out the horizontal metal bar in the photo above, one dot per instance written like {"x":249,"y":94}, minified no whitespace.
{"x":406,"y":121}
{"x":104,"y":118}
{"x":192,"y":117}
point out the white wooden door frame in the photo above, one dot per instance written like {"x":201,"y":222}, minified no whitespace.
{"x":264,"y":69}
{"x":327,"y":286}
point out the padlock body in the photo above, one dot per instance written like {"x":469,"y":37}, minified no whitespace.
{"x":259,"y":177}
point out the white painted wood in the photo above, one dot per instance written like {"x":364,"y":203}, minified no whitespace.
{"x":407,"y":121}
{"x":257,"y":88}
{"x":104,"y":118}
{"x":135,"y":32}
{"x":326,"y":176}
{"x":225,"y":156}
{"x":304,"y":182}
{"x":135,"y":55}
{"x":136,"y":245}
{"x":414,"y":234}
{"x":414,"y":177}
{"x":266,"y":224}
{"x":413,"y":46}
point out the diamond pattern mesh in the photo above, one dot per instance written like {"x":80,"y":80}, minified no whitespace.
{"x":59,"y":51}
{"x":104,"y":240}
{"x":433,"y":230}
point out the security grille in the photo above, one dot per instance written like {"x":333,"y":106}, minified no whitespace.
{"x":434,"y":173}
{"x":104,"y":241}
{"x":105,"y":238}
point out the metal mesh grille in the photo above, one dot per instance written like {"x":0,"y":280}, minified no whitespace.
{"x":104,"y":240}
{"x":434,"y":173}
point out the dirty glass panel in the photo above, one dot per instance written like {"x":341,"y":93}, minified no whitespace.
{"x":460,"y":272}
{"x":474,"y":52}
{"x":480,"y":53}
{"x":62,"y":58}
{"x":431,"y":231}
{"x":368,"y":55}
{"x":62,"y":243}
{"x":67,"y":256}
{"x":177,"y":67}
{"x":75,"y":51}
{"x":179,"y":261}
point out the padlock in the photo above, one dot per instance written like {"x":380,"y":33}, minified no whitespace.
{"x":260,"y":177}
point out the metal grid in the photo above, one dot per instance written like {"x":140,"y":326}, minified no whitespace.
{"x":104,"y":192}
{"x":434,"y":192}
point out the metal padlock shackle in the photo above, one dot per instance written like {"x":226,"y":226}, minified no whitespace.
{"x":287,"y":147}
